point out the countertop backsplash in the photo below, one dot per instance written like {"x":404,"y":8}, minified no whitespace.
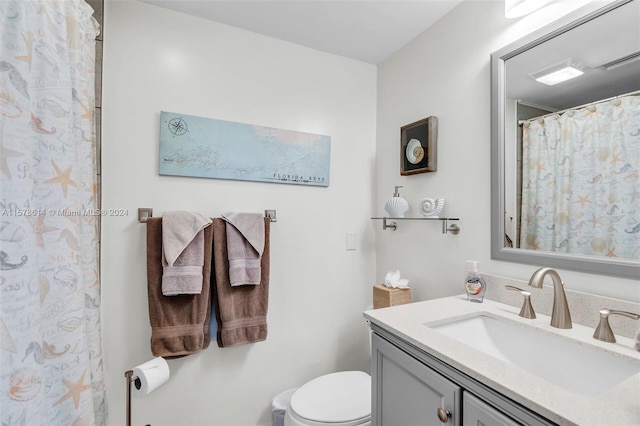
{"x":584,"y":307}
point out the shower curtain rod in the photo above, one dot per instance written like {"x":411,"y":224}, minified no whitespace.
{"x":636,"y":93}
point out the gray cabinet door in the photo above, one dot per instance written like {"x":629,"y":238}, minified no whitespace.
{"x":478,"y":413}
{"x":408,"y":393}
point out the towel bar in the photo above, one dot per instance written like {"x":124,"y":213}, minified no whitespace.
{"x":145,"y":213}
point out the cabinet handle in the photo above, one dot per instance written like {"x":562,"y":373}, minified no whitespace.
{"x":443,"y":415}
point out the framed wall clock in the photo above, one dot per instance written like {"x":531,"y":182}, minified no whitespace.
{"x":418,"y":147}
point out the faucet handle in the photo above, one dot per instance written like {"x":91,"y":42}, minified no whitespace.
{"x":527,"y":308}
{"x":603,"y":330}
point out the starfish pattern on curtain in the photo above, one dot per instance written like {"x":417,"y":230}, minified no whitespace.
{"x":51,"y":369}
{"x":581,"y":183}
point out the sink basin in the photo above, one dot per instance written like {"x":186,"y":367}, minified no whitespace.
{"x":575,"y":366}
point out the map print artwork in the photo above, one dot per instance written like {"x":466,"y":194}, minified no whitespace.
{"x":209,"y":148}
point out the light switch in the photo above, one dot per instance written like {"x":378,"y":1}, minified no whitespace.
{"x":351,"y":241}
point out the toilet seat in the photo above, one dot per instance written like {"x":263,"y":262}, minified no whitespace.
{"x":342,"y":398}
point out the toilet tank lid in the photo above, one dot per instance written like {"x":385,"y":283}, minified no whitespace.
{"x":337,"y":397}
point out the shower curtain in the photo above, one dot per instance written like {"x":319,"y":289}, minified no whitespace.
{"x":51,"y":354}
{"x":581,"y":189}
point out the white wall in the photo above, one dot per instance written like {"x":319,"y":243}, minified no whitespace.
{"x":156,"y":59}
{"x":445,"y":72}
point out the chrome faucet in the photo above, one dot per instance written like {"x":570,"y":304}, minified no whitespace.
{"x":560,"y":315}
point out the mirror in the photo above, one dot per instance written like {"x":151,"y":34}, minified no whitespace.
{"x":605,"y":46}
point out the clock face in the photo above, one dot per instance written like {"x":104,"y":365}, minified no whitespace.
{"x":414,"y":151}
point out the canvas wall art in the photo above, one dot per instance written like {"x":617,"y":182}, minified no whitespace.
{"x":210,"y":148}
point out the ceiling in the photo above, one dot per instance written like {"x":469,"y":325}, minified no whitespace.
{"x":605,"y":39}
{"x":364,"y":30}
{"x":372,"y":30}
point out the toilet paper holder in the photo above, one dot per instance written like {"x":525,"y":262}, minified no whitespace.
{"x":136,"y":381}
{"x":129,"y":376}
{"x":146,"y":377}
{"x":130,"y":379}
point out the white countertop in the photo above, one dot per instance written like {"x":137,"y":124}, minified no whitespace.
{"x":615,"y":407}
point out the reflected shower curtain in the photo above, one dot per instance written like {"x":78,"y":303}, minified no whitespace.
{"x":51,"y":355}
{"x":581,"y":189}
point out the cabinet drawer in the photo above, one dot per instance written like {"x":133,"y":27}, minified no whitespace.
{"x":478,"y":413}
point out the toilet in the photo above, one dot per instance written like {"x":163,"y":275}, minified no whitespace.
{"x":336,"y":399}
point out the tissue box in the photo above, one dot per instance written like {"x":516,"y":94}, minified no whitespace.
{"x":383,"y":297}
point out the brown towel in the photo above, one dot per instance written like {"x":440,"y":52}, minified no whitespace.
{"x":179,"y":324}
{"x":241,"y":312}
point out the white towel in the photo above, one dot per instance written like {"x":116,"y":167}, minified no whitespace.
{"x":245,"y":244}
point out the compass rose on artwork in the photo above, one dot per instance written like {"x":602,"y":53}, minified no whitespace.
{"x":177,"y":126}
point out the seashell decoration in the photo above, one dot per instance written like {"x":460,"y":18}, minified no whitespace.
{"x":396,"y":207}
{"x":414,"y":151}
{"x":430,"y":207}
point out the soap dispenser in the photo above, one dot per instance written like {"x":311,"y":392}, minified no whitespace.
{"x":396,"y":206}
{"x":474,"y":283}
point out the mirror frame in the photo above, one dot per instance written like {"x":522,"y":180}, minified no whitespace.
{"x":591,"y":264}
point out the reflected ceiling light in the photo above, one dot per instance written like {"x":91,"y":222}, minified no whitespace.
{"x":562,"y":71}
{"x":518,"y":8}
{"x":624,"y":60}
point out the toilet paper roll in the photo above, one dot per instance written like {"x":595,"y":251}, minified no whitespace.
{"x":150,"y":376}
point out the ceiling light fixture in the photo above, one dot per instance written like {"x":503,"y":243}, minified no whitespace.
{"x":562,"y":71}
{"x":518,"y":8}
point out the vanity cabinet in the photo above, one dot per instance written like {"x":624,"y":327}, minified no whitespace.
{"x":411,"y":387}
{"x":407,"y":392}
